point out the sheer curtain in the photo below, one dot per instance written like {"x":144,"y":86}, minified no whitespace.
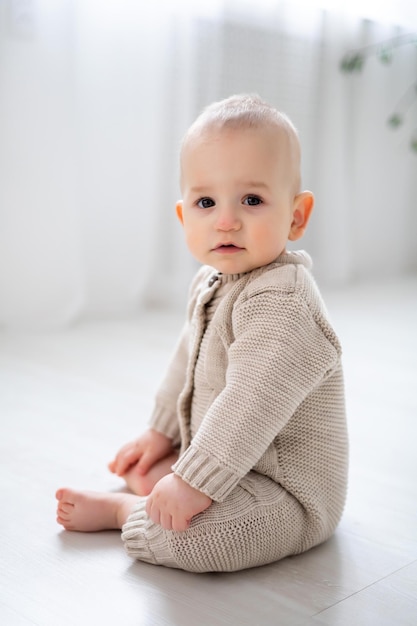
{"x":94,"y":98}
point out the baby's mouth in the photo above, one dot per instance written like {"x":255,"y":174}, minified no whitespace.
{"x":227,"y":247}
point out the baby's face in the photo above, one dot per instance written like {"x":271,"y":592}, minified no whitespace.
{"x":238,"y":196}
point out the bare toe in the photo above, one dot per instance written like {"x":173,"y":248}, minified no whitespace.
{"x":88,"y":511}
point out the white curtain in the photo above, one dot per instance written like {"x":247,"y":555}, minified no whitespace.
{"x":94,"y":98}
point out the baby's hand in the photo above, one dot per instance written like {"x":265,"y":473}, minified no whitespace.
{"x":173,"y":503}
{"x":151,"y":447}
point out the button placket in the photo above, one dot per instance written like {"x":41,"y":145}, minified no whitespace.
{"x":214,"y":278}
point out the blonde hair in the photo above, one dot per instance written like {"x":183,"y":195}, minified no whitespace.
{"x":243,"y":111}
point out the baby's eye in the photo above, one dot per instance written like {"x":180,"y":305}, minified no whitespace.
{"x":252,"y":200}
{"x":205,"y":203}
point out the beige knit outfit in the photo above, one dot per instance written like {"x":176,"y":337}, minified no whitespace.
{"x":254,"y":397}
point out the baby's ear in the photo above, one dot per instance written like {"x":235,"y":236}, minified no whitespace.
{"x":178,"y":208}
{"x":303,"y":206}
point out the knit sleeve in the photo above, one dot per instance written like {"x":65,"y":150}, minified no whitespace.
{"x":278,"y":356}
{"x":164,"y":416}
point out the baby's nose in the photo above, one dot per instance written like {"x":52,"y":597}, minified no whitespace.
{"x":227,"y":218}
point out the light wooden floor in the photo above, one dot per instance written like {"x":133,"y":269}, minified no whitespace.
{"x":69,"y":400}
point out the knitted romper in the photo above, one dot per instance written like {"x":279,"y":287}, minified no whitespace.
{"x":254,"y":399}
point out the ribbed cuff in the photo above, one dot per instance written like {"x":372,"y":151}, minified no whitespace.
{"x":204,"y":473}
{"x":166,"y":423}
{"x":139,"y":533}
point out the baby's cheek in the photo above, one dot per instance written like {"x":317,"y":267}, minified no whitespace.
{"x":264,"y":234}
{"x":193,"y":239}
{"x":270,"y":240}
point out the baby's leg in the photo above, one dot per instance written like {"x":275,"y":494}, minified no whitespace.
{"x":142,"y":485}
{"x":259,"y":522}
{"x":89,"y":511}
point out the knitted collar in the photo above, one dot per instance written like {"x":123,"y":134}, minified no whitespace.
{"x":298,"y":257}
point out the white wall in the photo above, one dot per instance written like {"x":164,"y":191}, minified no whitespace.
{"x":94,"y":99}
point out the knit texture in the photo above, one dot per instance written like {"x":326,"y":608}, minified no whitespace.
{"x":254,"y":397}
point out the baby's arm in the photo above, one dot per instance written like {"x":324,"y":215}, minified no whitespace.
{"x":278,"y":356}
{"x":173,"y":503}
{"x":145,"y":451}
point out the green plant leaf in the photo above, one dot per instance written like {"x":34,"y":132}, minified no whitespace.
{"x":385,"y":55}
{"x":395,"y":120}
{"x":352,"y":62}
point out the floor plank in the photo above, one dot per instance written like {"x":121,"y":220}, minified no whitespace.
{"x":389,"y":601}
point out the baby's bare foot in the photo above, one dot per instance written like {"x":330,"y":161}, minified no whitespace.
{"x":142,"y":484}
{"x":89,"y":511}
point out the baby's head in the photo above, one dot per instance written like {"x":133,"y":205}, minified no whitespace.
{"x":244,"y":112}
{"x":240,"y":181}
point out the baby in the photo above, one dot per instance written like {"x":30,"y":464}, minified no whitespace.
{"x":245,"y":460}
